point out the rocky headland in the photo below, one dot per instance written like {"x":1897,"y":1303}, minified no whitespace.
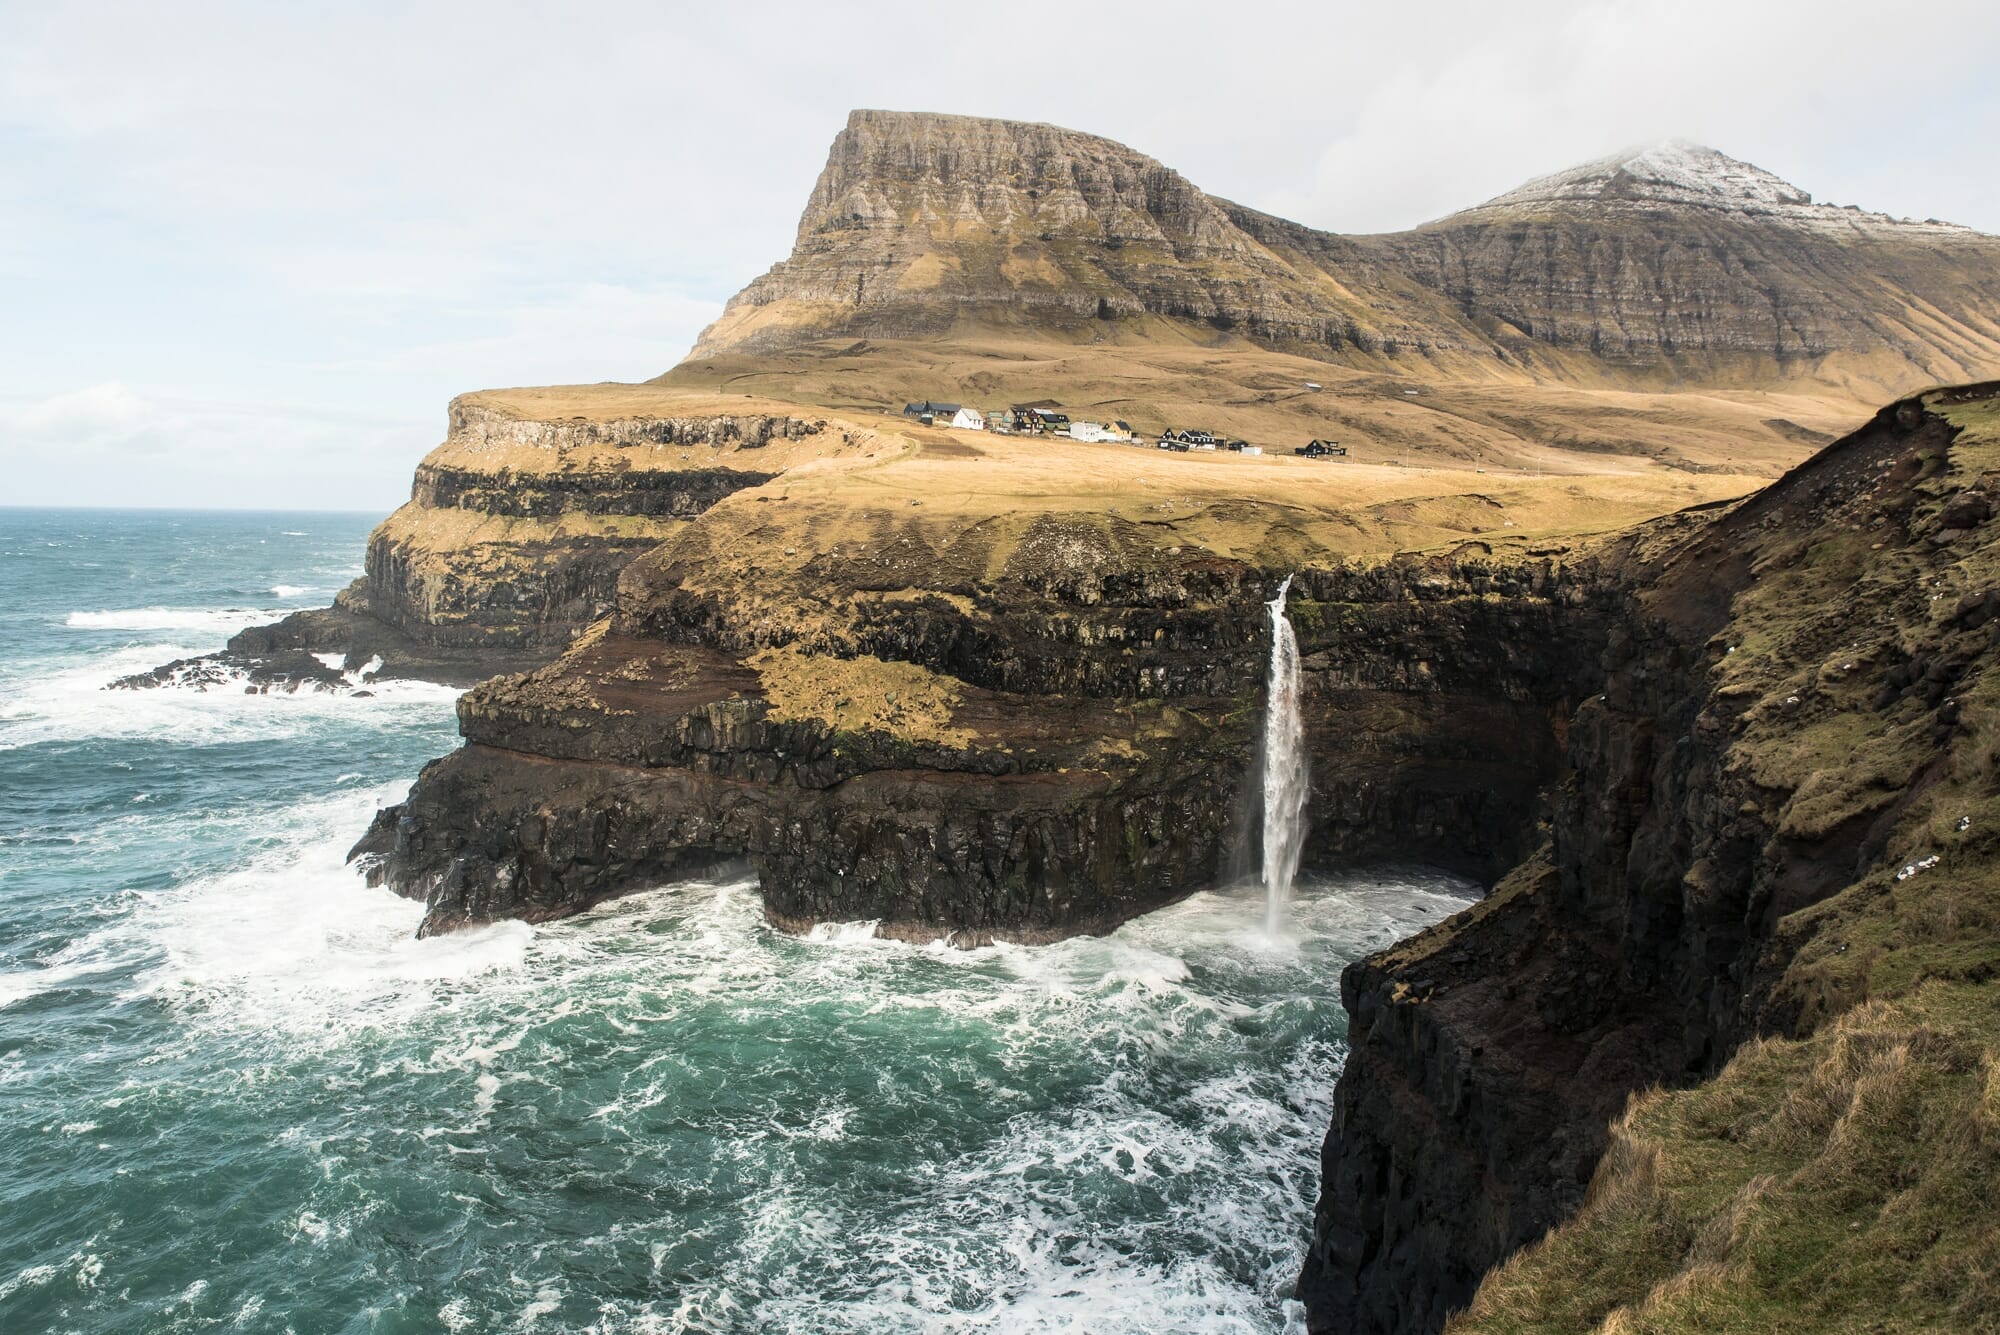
{"x":1721,"y":744}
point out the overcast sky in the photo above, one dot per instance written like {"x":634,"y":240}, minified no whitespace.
{"x":249,"y":250}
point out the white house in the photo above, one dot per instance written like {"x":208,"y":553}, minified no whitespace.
{"x":1093,"y":431}
{"x":968,"y":419}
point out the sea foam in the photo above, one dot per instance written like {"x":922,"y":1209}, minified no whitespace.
{"x":222,"y":621}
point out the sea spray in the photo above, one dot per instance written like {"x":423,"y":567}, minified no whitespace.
{"x":1285,"y":776}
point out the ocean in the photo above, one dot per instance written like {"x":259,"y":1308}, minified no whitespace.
{"x":236,"y":1093}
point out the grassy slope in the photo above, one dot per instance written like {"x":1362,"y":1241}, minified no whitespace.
{"x":1847,"y":1178}
{"x":864,"y":471}
{"x":1411,"y":410}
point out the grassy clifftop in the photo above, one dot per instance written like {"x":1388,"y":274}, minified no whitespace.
{"x":1842,"y":1173}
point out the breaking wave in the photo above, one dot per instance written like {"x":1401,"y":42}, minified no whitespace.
{"x":69,"y":702}
{"x":223,"y":621}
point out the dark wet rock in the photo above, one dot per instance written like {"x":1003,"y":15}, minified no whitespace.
{"x":276,"y":670}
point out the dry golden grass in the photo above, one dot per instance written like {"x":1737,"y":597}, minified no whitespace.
{"x":860,"y":694}
{"x":1406,"y":410}
{"x":940,"y":489}
{"x":1844,"y":1183}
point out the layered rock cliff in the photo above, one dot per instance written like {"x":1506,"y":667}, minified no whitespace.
{"x":1787,"y":726}
{"x":1020,"y":729}
{"x":1671,"y":264}
{"x":517,"y":528}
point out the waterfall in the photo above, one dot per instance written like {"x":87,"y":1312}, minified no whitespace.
{"x":1285,"y":779}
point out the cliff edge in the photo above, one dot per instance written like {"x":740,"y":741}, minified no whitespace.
{"x":1771,"y":883}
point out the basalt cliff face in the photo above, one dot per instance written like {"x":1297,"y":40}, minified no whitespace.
{"x":993,"y":734}
{"x":1664,"y":265}
{"x":1790,"y":724}
{"x":1731,"y":769}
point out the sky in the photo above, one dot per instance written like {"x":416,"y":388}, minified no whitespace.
{"x":249,"y":251}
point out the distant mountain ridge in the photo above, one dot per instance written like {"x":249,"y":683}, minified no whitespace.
{"x":1671,"y":264}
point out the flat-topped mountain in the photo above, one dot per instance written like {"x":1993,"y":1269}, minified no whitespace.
{"x":919,"y":220}
{"x":1668,"y":265}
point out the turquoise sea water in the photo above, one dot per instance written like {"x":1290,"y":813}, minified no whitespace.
{"x":237,"y":1094}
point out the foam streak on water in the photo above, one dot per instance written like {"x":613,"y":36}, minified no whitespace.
{"x":242,"y":1095}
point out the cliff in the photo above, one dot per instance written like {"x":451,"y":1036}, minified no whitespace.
{"x":1770,"y":828}
{"x":517,"y":527}
{"x":1663,"y":266}
{"x":1000,"y":715}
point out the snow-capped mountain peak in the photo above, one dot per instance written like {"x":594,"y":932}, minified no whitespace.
{"x":1675,"y":172}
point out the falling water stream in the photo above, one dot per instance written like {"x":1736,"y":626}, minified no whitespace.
{"x":1285,"y":777}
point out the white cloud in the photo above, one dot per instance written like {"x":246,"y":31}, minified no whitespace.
{"x":598,"y":331}
{"x":98,"y":417}
{"x":114,"y":445}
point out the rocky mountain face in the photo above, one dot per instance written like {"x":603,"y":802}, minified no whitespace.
{"x":1681,"y":257}
{"x":1779,"y":731}
{"x":919,"y":220}
{"x":1669,"y":265}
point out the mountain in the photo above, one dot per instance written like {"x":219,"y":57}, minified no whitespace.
{"x":1668,"y":265}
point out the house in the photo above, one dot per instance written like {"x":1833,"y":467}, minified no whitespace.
{"x":1193,"y":439}
{"x":968,"y":419}
{"x":1321,"y":449}
{"x":1037,"y":418}
{"x":1091,"y":431}
{"x":928,"y":412}
{"x":1001,"y":423}
{"x":1120,"y":430}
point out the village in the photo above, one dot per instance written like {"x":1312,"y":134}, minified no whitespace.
{"x":1046,"y":418}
